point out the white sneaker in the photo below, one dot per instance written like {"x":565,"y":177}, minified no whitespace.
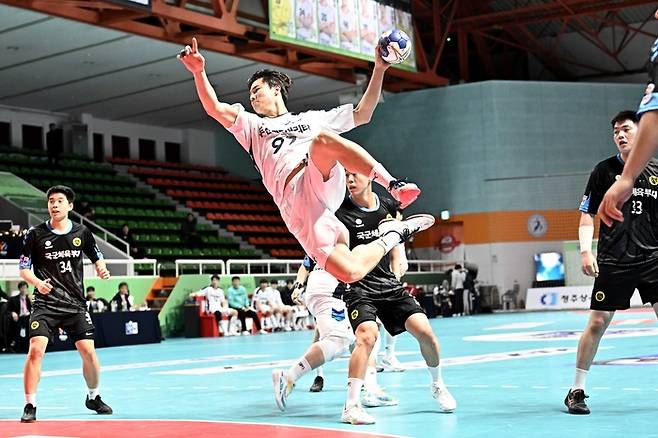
{"x":263,"y":332}
{"x":356,"y":415}
{"x":391,"y":364}
{"x":282,"y":388}
{"x":446,"y":401}
{"x":404,"y":192}
{"x":407,"y":227}
{"x":374,"y":399}
{"x":246,"y":333}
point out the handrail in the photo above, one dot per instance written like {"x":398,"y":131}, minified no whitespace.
{"x":13,"y":263}
{"x":201,"y":263}
{"x":260,"y":262}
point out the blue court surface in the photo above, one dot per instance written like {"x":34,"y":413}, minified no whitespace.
{"x":508,"y":372}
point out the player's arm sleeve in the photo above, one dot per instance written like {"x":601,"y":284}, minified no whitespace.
{"x":593,"y":194}
{"x":90,"y":248}
{"x":241,"y":128}
{"x":25,"y":259}
{"x":339,"y":119}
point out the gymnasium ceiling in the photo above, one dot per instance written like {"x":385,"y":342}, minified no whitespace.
{"x":84,"y":56}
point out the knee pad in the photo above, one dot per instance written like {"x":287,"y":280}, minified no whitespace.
{"x":331,"y":346}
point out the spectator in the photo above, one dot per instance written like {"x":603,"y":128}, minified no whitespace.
{"x":286,"y":292}
{"x":122,"y":301}
{"x":19,"y":309}
{"x":95,"y":305}
{"x":217,"y":304}
{"x":238,"y":300}
{"x":281,"y":311}
{"x":54,"y":143}
{"x":458,"y":277}
{"x":260,"y":302}
{"x":127,"y":236}
{"x":188,"y":232}
{"x":86,"y":210}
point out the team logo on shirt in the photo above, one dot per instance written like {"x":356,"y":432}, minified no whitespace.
{"x":599,"y":296}
{"x":653,"y":180}
{"x":34,"y":325}
{"x":354,"y":314}
{"x":49,"y":244}
{"x":77,"y":242}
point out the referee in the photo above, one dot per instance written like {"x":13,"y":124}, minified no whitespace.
{"x":51,"y":260}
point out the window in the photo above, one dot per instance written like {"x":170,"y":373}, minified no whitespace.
{"x":120,"y":147}
{"x":5,"y":134}
{"x":99,"y":148}
{"x":146,"y":149}
{"x":32,"y":137}
{"x":172,"y":152}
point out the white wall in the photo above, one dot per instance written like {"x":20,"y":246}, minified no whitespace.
{"x":25,"y":116}
{"x":503,"y":263}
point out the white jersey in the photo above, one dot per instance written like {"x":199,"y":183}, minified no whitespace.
{"x":278,"y":144}
{"x":216,"y":298}
{"x":261,"y":296}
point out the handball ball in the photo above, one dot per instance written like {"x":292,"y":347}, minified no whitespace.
{"x":394,"y":46}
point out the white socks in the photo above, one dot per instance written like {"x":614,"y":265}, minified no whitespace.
{"x":31,"y":399}
{"x":298,"y":370}
{"x":93,"y":392}
{"x":370,"y":381}
{"x":390,"y":344}
{"x":380,"y":176}
{"x":579,"y":380}
{"x":319,"y":372}
{"x":435,"y":374}
{"x":353,"y":391}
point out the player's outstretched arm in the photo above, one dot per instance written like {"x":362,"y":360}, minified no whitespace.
{"x":366,"y":106}
{"x":196,"y":64}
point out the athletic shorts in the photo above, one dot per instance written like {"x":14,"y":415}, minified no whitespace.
{"x":393,"y":309}
{"x":650,"y":100}
{"x":330,"y":313}
{"x":308,"y":208}
{"x":614,"y":286}
{"x":46,"y":323}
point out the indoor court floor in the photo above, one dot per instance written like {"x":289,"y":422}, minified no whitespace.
{"x":509,"y":373}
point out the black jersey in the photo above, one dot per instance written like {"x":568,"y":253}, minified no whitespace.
{"x":635,"y":240}
{"x":363,"y":227}
{"x":59,"y":257}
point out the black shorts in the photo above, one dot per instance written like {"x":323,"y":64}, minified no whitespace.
{"x":46,"y":323}
{"x":393,"y":309}
{"x":615,"y":285}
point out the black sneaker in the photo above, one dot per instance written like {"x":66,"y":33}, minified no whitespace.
{"x":98,"y":405}
{"x":575,"y":402}
{"x":317,"y":385}
{"x":29,"y":414}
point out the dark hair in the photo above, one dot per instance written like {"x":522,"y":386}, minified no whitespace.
{"x":65,"y":190}
{"x":125,"y":225}
{"x":275,"y":281}
{"x":214,"y":276}
{"x":91,"y":288}
{"x":458,"y":266}
{"x":622,"y":116}
{"x":262,"y":281}
{"x":290,"y":281}
{"x":235,"y":278}
{"x":22,"y":284}
{"x":273,"y":78}
{"x":123,"y":283}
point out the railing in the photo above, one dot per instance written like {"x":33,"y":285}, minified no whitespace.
{"x":201,"y":263}
{"x":94,"y":227}
{"x":9,"y":267}
{"x":431,"y":265}
{"x":267,"y":264}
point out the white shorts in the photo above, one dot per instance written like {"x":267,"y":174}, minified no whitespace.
{"x":308,"y":209}
{"x":330,"y":313}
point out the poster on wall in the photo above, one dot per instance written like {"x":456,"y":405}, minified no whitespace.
{"x":346,"y":27}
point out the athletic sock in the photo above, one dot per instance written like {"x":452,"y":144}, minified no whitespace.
{"x":579,"y":380}
{"x":298,"y":370}
{"x":381,"y":176}
{"x":370,"y":381}
{"x":93,"y":392}
{"x":435,"y":374}
{"x":389,"y":348}
{"x":31,"y":399}
{"x":389,"y":241}
{"x":353,"y":391}
{"x":320,"y":372}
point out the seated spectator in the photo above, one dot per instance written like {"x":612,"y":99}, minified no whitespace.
{"x":86,"y":210}
{"x":260,"y":303}
{"x":54,"y":143}
{"x":122,"y":301}
{"x":127,"y":236}
{"x":238,"y":300}
{"x":282,"y":312}
{"x":95,"y":305}
{"x":299,"y":312}
{"x":217,"y":304}
{"x":188,"y":232}
{"x":19,"y":308}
